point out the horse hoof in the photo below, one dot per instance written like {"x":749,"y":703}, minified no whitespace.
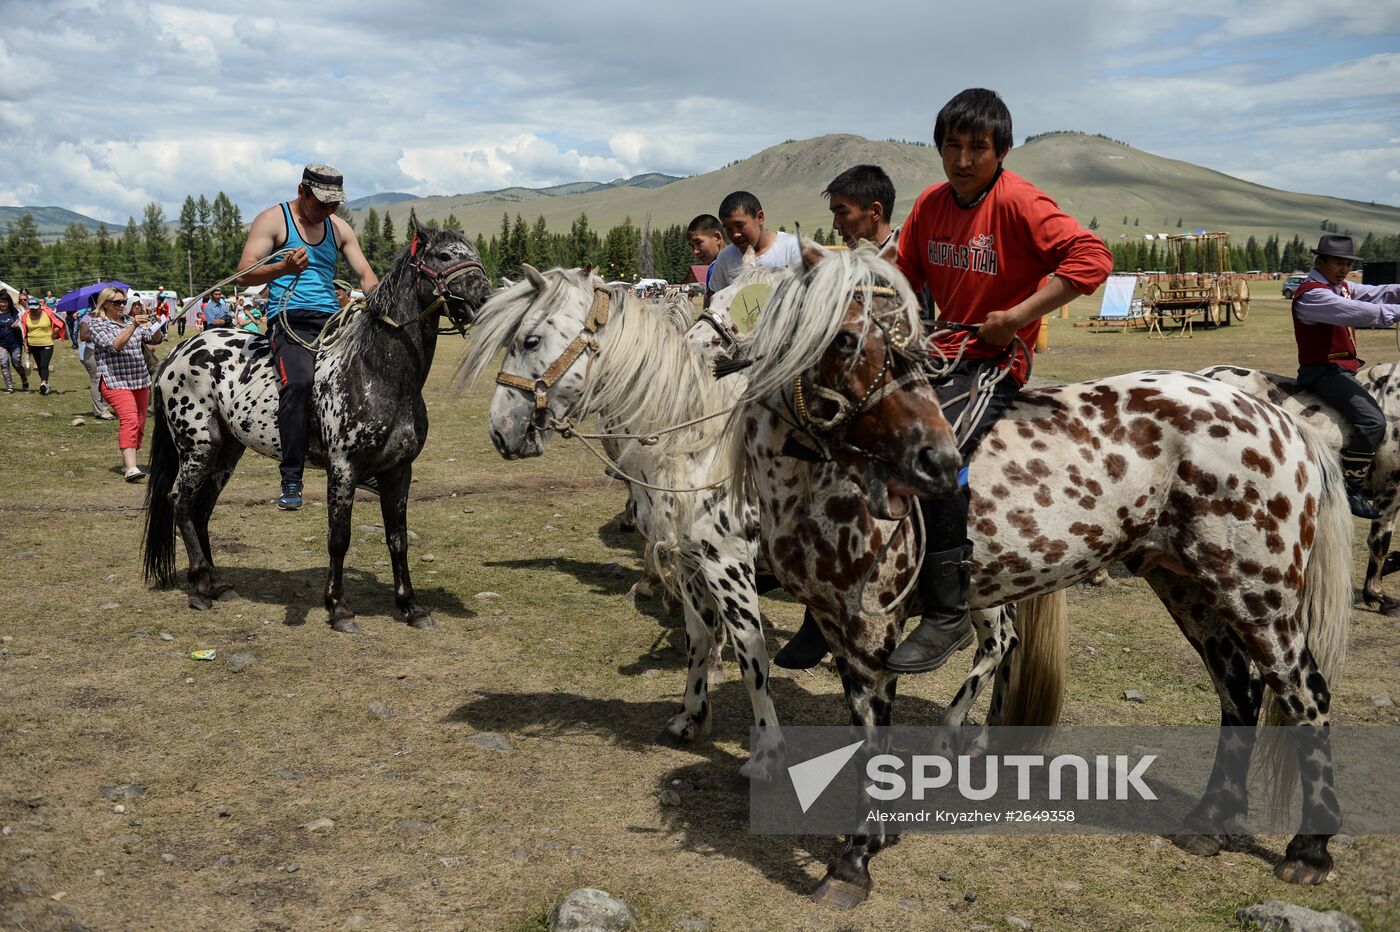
{"x":1202,"y":846}
{"x":835,"y":893}
{"x":1301,"y":872}
{"x":225,"y":594}
{"x":422,"y":623}
{"x":200,"y":603}
{"x":668,"y":739}
{"x":345,"y":626}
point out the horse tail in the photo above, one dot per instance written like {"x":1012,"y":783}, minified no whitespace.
{"x":1324,"y":612}
{"x":158,"y":548}
{"x":1038,"y":662}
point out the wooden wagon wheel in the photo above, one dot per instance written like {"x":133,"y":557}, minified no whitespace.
{"x":1239,"y":299}
{"x":1151,"y":294}
{"x":1216,"y":308}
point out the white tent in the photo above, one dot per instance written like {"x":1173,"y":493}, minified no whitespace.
{"x":14,"y":293}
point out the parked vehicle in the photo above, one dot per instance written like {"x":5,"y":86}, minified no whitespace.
{"x":1291,"y":283}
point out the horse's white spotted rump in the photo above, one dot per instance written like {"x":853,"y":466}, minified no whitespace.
{"x":1384,"y":484}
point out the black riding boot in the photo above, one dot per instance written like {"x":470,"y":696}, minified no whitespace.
{"x":947,"y":624}
{"x":1356,"y":466}
{"x":806,"y":648}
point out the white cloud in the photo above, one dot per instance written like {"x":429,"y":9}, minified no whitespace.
{"x":115,"y":104}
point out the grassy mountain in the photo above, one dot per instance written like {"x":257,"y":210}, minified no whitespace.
{"x":384,"y":199}
{"x":52,"y":221}
{"x":1090,"y":177}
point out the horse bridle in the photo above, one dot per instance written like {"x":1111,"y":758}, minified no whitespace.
{"x":585,"y":342}
{"x":441,"y":281}
{"x":896,"y":339}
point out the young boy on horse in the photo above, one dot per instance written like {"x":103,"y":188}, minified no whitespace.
{"x":1326,"y":310}
{"x":301,"y":298}
{"x":982,"y":245}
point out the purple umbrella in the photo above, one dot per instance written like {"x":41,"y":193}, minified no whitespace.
{"x":77,"y":300}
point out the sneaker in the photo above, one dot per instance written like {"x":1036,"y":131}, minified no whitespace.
{"x":134,"y":474}
{"x":44,"y":388}
{"x":290,"y":499}
{"x":105,"y":417}
{"x":10,"y":390}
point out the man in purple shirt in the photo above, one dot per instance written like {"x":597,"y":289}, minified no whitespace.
{"x":1327,"y":309}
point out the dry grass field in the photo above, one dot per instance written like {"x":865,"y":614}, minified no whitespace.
{"x":527,"y":572}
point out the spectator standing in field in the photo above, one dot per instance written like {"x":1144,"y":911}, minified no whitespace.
{"x":87,"y":355}
{"x":742,"y":217}
{"x":42,"y":329}
{"x":119,"y":333}
{"x":301,"y":298}
{"x":1326,"y":310}
{"x":984,"y":245}
{"x":11,"y":343}
{"x":861,"y":201}
{"x":216,"y":312}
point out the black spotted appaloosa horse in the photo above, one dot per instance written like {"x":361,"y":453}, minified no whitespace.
{"x":216,"y":395}
{"x":1231,"y":511}
{"x":1384,"y":484}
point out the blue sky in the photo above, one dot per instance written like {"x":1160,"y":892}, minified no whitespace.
{"x":107,"y":105}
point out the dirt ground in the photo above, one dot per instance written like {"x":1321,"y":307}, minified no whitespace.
{"x":527,"y":572}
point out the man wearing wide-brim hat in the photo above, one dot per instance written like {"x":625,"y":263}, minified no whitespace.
{"x":301,"y":298}
{"x":1327,"y":309}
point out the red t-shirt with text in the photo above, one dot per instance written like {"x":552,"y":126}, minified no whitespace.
{"x":993,"y":256}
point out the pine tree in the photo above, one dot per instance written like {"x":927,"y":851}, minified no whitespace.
{"x":370,"y":243}
{"x":388,"y":246}
{"x":537,"y":248}
{"x":227,"y":229}
{"x":158,"y":252}
{"x":646,"y":258}
{"x":452,"y":223}
{"x":206,"y":265}
{"x":519,"y":244}
{"x":102,"y":253}
{"x":23,"y":249}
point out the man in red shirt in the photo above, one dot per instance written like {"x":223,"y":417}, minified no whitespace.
{"x":981,"y":247}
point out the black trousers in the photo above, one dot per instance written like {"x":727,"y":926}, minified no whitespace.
{"x":42,"y":355}
{"x":296,"y":365}
{"x":1341,"y":389}
{"x":966,"y":394}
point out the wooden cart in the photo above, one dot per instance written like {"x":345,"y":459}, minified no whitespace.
{"x":1212,"y":296}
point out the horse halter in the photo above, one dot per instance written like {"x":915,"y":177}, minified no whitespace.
{"x":442,"y":282}
{"x":585,"y":342}
{"x":880,"y":387}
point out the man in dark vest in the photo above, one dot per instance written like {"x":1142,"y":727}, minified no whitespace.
{"x":1327,"y":309}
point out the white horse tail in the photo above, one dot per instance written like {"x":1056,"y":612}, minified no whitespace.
{"x":1038,"y":663}
{"x":1324,"y":611}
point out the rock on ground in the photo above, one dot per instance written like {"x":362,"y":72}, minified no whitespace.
{"x":242,"y":660}
{"x":591,"y":910}
{"x":1277,"y":916}
{"x":490,"y":741}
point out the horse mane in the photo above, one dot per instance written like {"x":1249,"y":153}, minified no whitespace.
{"x":362,"y":325}
{"x":801,"y":319}
{"x":644,"y":378}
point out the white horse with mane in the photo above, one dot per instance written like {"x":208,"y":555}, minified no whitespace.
{"x":576,"y":350}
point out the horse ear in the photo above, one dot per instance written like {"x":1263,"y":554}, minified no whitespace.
{"x":587,"y":269}
{"x":419,"y":230}
{"x":890,"y":253}
{"x":811,"y":253}
{"x":534,"y":275}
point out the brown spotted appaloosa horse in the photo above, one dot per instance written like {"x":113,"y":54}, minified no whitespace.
{"x":1232,"y":512}
{"x":1383,"y":487}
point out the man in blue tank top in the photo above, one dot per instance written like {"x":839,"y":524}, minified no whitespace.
{"x":301,"y":298}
